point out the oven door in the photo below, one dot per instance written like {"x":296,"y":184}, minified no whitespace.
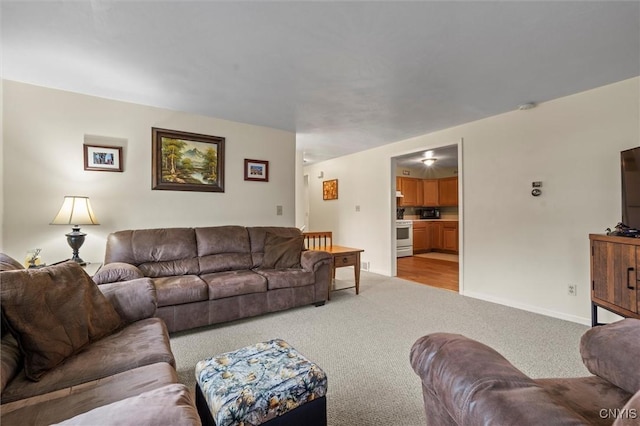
{"x":404,"y":237}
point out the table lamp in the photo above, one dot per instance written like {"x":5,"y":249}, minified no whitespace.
{"x":75,"y":211}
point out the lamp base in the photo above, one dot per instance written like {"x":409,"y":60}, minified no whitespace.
{"x":75,"y":239}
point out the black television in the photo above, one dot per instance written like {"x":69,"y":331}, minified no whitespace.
{"x":630,"y":165}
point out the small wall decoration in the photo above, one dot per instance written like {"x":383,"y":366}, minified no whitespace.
{"x":330,"y":189}
{"x":256,"y":170}
{"x":184,"y":161}
{"x":102,"y":158}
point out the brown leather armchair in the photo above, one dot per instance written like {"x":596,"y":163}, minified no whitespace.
{"x":465,"y":382}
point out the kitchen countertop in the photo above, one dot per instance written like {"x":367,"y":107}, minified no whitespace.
{"x":443,"y":218}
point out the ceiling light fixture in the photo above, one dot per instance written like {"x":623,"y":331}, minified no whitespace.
{"x":528,"y":105}
{"x":429,"y":161}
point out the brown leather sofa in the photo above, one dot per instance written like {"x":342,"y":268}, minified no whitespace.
{"x":216,"y":274}
{"x":465,"y":382}
{"x":127,"y":377}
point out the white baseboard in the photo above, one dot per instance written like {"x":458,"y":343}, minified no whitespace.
{"x":529,"y":308}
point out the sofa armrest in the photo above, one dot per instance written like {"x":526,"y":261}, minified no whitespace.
{"x":605,"y":352}
{"x":133,"y":300}
{"x":478,"y":386}
{"x":311,"y":260}
{"x":117,"y":271}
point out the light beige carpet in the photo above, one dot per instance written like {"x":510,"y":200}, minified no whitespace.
{"x":362,"y":342}
{"x":439,"y":256}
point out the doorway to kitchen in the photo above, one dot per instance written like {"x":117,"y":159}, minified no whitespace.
{"x":427,"y":201}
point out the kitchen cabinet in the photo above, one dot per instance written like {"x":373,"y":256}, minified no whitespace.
{"x":430,"y":193}
{"x":448,"y":191}
{"x":421,"y":243}
{"x":434,"y":235}
{"x":409,"y":191}
{"x":450,"y":236}
{"x":614,"y":275}
{"x":427,"y":192}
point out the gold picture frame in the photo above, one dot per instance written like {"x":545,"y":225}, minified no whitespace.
{"x":330,"y":189}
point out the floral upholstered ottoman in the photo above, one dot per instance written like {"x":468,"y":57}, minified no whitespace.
{"x":269,"y":383}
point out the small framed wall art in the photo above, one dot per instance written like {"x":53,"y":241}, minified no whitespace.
{"x":330,"y":189}
{"x":256,"y":170}
{"x":102,"y":158}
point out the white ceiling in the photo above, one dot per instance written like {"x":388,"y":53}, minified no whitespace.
{"x":345,"y":76}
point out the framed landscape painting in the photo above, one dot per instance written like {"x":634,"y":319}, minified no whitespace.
{"x":187,"y":161}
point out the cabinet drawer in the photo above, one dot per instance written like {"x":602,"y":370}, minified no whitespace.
{"x":345,"y":260}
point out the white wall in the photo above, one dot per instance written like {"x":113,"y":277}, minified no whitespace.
{"x":1,"y":162}
{"x":44,"y":130}
{"x":517,"y":250}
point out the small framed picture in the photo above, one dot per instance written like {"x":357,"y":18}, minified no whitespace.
{"x":256,"y":170}
{"x":330,"y":189}
{"x":103,"y":158}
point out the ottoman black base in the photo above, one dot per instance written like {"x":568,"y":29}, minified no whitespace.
{"x":312,"y":413}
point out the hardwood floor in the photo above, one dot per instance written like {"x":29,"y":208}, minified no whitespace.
{"x":433,"y":272}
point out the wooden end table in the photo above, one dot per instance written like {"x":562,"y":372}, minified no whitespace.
{"x":340,"y":257}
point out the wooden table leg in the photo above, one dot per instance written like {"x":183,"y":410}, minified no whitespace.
{"x":357,"y":273}
{"x":333,"y":277}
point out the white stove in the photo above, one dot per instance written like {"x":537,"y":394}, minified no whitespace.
{"x":404,"y":238}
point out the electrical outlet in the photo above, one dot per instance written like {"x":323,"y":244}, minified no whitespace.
{"x":364,"y":266}
{"x":572,"y":289}
{"x":279,"y":210}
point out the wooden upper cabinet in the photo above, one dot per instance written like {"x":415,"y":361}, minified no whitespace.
{"x":448,"y":191}
{"x":427,"y":192}
{"x":430,"y":192}
{"x":409,"y":192}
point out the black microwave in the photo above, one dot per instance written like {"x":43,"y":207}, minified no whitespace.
{"x":430,"y":213}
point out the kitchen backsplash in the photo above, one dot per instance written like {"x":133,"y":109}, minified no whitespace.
{"x":446,"y":213}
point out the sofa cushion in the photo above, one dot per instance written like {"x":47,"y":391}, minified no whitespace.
{"x":10,"y":360}
{"x":168,"y":405}
{"x":71,"y":313}
{"x":282,"y":252}
{"x":285,"y":278}
{"x":151,"y":245}
{"x":180,"y":289}
{"x":234,"y":283}
{"x":605,"y":352}
{"x":223,"y":248}
{"x":65,"y":403}
{"x":141,"y":343}
{"x":170,"y":268}
{"x":257,"y":236}
{"x":586,"y":396}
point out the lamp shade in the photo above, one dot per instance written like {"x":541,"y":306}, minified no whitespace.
{"x":75,"y":210}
